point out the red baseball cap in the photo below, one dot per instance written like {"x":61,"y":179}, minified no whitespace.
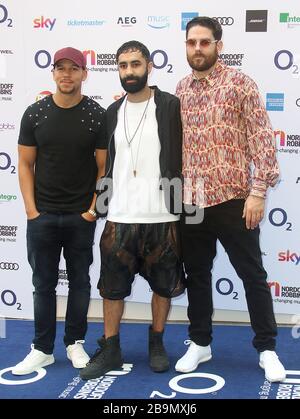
{"x":70,"y":54}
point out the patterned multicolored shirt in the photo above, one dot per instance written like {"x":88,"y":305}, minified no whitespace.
{"x":225,"y":129}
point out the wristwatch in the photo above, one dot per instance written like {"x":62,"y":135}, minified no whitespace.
{"x":93,"y":213}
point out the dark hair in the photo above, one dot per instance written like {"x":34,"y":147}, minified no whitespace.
{"x":206,"y":22}
{"x":134,"y":46}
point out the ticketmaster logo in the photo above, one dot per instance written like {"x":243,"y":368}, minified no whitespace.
{"x":94,"y":22}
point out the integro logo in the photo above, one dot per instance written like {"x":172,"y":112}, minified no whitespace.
{"x":43,"y":23}
{"x":292,"y":21}
{"x":289,"y":256}
{"x":7,"y":198}
{"x":287,"y":143}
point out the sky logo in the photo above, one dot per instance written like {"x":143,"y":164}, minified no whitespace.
{"x":289,"y":257}
{"x":41,"y":23}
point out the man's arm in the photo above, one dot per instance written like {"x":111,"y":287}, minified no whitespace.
{"x":100,"y":161}
{"x":27,"y":158}
{"x":262,"y":148}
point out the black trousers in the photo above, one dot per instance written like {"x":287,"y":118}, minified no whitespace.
{"x":46,"y":236}
{"x":225,"y":223}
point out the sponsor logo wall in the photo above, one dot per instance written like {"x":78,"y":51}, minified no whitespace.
{"x":262,"y":43}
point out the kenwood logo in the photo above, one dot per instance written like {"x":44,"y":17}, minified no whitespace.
{"x":225,"y":21}
{"x":9,"y":266}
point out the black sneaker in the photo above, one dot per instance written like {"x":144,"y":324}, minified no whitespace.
{"x":106,"y":358}
{"x":158,"y":357}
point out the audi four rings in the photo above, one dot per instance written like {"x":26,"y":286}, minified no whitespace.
{"x":225,"y":21}
{"x":9,"y":266}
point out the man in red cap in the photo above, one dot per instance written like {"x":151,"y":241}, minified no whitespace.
{"x":62,"y":151}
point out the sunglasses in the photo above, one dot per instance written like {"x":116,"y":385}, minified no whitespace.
{"x":204,"y":43}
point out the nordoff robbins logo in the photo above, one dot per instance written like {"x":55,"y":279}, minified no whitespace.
{"x":225,"y":21}
{"x":9,"y":266}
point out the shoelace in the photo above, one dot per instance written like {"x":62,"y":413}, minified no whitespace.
{"x":80,"y":341}
{"x":93,"y":357}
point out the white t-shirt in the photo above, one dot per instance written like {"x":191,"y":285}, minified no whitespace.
{"x":137,"y":199}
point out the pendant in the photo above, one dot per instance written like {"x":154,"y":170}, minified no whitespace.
{"x":134,"y":173}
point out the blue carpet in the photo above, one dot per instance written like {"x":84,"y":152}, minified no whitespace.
{"x":234,"y":367}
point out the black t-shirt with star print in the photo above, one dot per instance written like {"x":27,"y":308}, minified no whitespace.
{"x":66,"y":139}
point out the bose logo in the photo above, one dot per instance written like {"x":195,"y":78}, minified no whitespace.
{"x":9,"y":266}
{"x":225,"y":21}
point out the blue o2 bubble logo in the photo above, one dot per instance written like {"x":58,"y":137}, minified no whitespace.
{"x":160,"y":60}
{"x":5,"y":163}
{"x":278,"y":218}
{"x":4,"y":16}
{"x":9,"y":298}
{"x":224,"y":286}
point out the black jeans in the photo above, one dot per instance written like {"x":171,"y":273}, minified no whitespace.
{"x":225,"y":223}
{"x":47,"y":235}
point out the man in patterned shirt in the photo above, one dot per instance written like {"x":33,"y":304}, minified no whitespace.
{"x":225,"y":130}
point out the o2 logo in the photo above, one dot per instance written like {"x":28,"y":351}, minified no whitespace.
{"x":9,"y":298}
{"x":4,"y":16}
{"x":284,"y":60}
{"x":5,"y":163}
{"x":278,"y":218}
{"x":219,"y":383}
{"x":224,"y":286}
{"x":42,"y":58}
{"x":160,"y":60}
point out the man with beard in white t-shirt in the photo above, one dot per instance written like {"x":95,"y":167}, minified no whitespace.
{"x":142,"y":187}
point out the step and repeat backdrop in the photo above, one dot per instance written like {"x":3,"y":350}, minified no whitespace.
{"x":261,"y":38}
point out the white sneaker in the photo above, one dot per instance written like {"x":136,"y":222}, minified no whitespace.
{"x":77,"y":354}
{"x":32,"y":362}
{"x":193,"y":357}
{"x":274,"y":370}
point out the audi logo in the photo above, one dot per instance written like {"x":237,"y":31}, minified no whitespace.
{"x":225,"y":21}
{"x":298,"y":102}
{"x":9,"y":266}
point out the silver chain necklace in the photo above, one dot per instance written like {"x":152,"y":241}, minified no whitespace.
{"x":126,"y":130}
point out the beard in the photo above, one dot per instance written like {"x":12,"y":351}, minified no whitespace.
{"x":206,"y":61}
{"x":140,"y":83}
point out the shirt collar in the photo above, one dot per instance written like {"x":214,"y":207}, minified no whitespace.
{"x":212,"y":77}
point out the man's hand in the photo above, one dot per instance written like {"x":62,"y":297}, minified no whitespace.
{"x":31,"y":215}
{"x":88,"y":217}
{"x":253,"y":211}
